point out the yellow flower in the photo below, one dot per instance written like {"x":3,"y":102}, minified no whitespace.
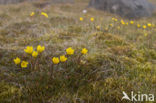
{"x":63,"y":58}
{"x":55,"y":60}
{"x":24,"y":64}
{"x":92,"y":19}
{"x":17,"y":60}
{"x":116,"y":20}
{"x":40,"y":48}
{"x":81,"y":18}
{"x":35,"y":54}
{"x":70,"y":51}
{"x":84,"y":51}
{"x":144,"y":26}
{"x":44,"y":14}
{"x":29,"y":49}
{"x":149,"y":24}
{"x":32,"y":14}
{"x":126,"y":23}
{"x":131,"y":22}
{"x":122,"y":22}
{"x":111,"y":25}
{"x":138,"y":25}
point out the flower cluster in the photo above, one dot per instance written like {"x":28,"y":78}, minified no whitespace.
{"x":55,"y":60}
{"x":114,"y":19}
{"x":29,"y":50}
{"x":69,"y":51}
{"x":42,"y":13}
{"x":123,"y":23}
{"x":24,"y":64}
{"x":91,"y":19}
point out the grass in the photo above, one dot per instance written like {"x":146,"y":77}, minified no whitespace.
{"x":120,"y":57}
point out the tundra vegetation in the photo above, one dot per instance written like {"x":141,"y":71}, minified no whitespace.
{"x":59,"y":54}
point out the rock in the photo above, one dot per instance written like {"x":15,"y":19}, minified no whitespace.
{"x":125,"y":8}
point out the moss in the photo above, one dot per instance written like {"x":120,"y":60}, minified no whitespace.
{"x":58,"y":21}
{"x":9,"y":93}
